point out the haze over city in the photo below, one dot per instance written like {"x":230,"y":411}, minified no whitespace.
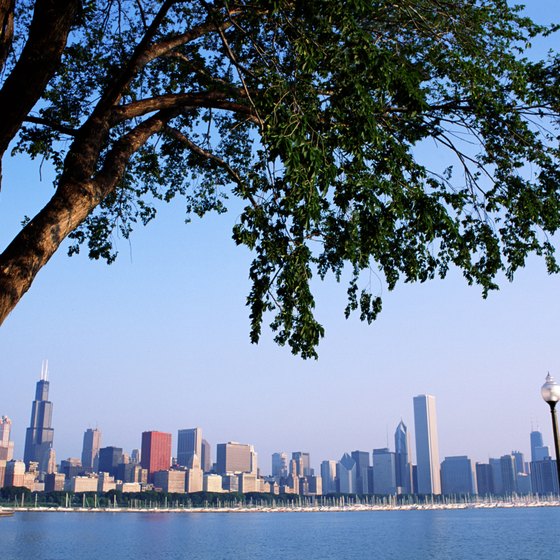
{"x":159,"y":340}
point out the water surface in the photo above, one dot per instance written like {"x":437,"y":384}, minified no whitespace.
{"x":516,"y":534}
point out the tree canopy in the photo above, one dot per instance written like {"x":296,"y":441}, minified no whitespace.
{"x":322,"y":117}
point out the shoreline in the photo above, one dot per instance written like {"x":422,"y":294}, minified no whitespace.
{"x":4,"y":511}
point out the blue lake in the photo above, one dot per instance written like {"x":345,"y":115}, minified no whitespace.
{"x":516,"y":534}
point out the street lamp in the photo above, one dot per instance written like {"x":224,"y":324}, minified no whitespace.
{"x":550,"y":392}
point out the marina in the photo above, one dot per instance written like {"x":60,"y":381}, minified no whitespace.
{"x":527,"y":502}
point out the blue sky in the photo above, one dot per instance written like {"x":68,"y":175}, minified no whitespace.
{"x":159,"y":340}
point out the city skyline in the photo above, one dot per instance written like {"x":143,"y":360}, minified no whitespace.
{"x":388,"y":473}
{"x":188,"y":443}
{"x":160,"y":339}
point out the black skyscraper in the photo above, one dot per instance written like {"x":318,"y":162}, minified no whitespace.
{"x":40,"y":434}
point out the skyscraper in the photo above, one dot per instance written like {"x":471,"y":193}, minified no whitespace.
{"x":135,"y":457}
{"x":40,"y":434}
{"x":544,"y":476}
{"x":206,"y":459}
{"x":280,"y":465}
{"x":497,"y":478}
{"x":328,"y":474}
{"x":156,"y":452}
{"x":384,"y":479}
{"x":427,"y":449}
{"x":235,"y":458}
{"x":361,"y":458}
{"x":90,"y":449}
{"x":509,"y":480}
{"x":346,"y":475}
{"x":6,"y":445}
{"x":403,"y":469}
{"x":109,"y":459}
{"x":539,"y":451}
{"x":303,"y":462}
{"x":519,"y":462}
{"x":457,"y":475}
{"x":189,"y":444}
{"x":536,"y":441}
{"x":484,"y":479}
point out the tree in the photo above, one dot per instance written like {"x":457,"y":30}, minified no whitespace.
{"x":315,"y":114}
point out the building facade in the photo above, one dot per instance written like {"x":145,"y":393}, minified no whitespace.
{"x":90,"y":449}
{"x":109,"y":459}
{"x":328,"y":477}
{"x":346,"y":475}
{"x":361,"y":458}
{"x":303,"y":463}
{"x":403,"y":467}
{"x":509,"y":478}
{"x":235,"y":458}
{"x":156,"y":452}
{"x":457,"y":476}
{"x":172,"y":482}
{"x":484,"y":479}
{"x":280,"y":465}
{"x":544,"y":477}
{"x":14,"y":474}
{"x":40,"y":434}
{"x":427,"y":446}
{"x":6,"y":445}
{"x":189,"y":447}
{"x":384,"y":472}
{"x":206,"y":459}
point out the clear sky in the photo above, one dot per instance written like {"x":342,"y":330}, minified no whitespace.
{"x":159,"y":340}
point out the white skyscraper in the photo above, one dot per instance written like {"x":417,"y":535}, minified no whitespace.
{"x":427,"y":449}
{"x":328,"y":474}
{"x":6,"y":445}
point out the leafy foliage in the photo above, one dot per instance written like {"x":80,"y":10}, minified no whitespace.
{"x":405,"y":137}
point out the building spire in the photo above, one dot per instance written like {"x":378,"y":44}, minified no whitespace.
{"x":45,"y":370}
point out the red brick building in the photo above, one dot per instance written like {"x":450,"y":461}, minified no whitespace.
{"x":156,"y":452}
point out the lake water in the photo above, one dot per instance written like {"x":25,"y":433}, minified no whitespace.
{"x":501,"y":534}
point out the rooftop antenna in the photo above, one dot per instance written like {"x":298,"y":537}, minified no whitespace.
{"x":45,"y":370}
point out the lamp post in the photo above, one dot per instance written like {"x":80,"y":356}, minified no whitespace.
{"x":550,"y":392}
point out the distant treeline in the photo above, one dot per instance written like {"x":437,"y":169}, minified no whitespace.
{"x":21,"y":496}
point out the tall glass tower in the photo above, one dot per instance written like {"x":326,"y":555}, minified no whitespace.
{"x":40,"y":434}
{"x":189,"y":447}
{"x":427,"y":447}
{"x":90,"y":449}
{"x":403,"y":469}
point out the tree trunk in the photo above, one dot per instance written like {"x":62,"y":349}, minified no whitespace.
{"x":6,"y":29}
{"x":37,"y":242}
{"x":73,"y":201}
{"x":37,"y":64}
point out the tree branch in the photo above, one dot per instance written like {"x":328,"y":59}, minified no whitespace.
{"x":51,"y":124}
{"x":118,"y":157}
{"x":220,"y":28}
{"x":114,"y":92}
{"x":37,"y":64}
{"x":199,"y":69}
{"x":209,"y":100}
{"x":164,"y":47}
